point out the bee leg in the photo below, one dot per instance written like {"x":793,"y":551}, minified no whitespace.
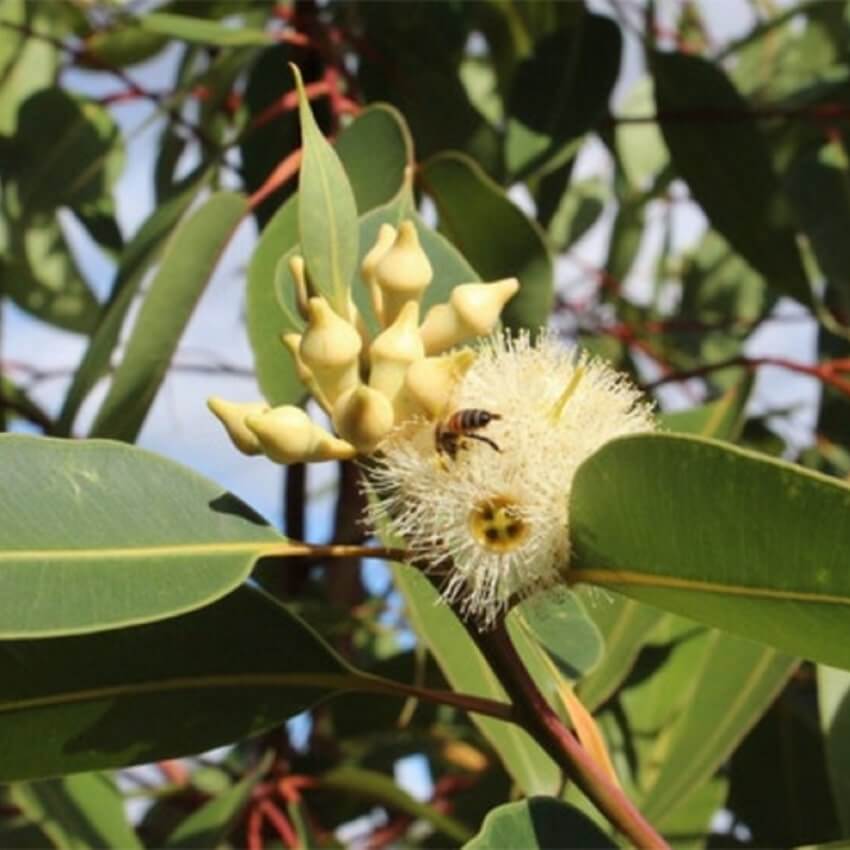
{"x":483,"y":439}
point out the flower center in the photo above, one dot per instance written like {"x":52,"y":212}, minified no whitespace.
{"x":496,"y":524}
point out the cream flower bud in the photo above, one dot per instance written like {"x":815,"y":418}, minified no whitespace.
{"x":363,"y":417}
{"x":394,"y":350}
{"x":403,"y":272}
{"x":296,"y":269}
{"x":431,"y":381}
{"x":330,"y":348}
{"x":232,"y":415}
{"x":287,"y":435}
{"x":473,"y":310}
{"x":293,"y":343}
{"x":386,"y":237}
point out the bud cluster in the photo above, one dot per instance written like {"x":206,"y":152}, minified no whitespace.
{"x":369,"y":387}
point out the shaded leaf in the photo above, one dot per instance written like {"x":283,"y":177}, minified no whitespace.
{"x":201,"y":31}
{"x":83,"y":812}
{"x":540,"y":822}
{"x":650,"y":514}
{"x":99,"y":535}
{"x":834,"y":704}
{"x":561,"y":90}
{"x":160,"y":690}
{"x":722,"y":155}
{"x":493,"y":234}
{"x":137,"y":258}
{"x":188,"y":262}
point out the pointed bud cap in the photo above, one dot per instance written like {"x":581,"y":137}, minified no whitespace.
{"x":430,"y":382}
{"x":296,"y":269}
{"x":394,"y":350}
{"x":363,"y":417}
{"x":473,"y":310}
{"x":386,"y":237}
{"x":403,"y":273}
{"x":232,"y":415}
{"x":329,"y":349}
{"x":287,"y":435}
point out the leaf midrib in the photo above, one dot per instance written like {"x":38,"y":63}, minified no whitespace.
{"x":136,"y":552}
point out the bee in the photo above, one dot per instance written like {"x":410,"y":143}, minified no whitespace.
{"x":450,"y":433}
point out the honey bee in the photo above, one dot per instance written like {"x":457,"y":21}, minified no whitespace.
{"x":450,"y":433}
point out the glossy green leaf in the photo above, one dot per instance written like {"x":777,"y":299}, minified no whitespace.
{"x":209,"y":825}
{"x":734,"y":683}
{"x":466,"y":669}
{"x":136,"y":259}
{"x":561,"y":90}
{"x":39,"y":273}
{"x":659,"y":518}
{"x":727,"y":165}
{"x":67,"y":151}
{"x":834,"y":703}
{"x":188,"y":262}
{"x":82,"y":812}
{"x":201,"y":31}
{"x":383,"y":791}
{"x":98,"y":535}
{"x":327,"y":212}
{"x":539,"y":822}
{"x":493,"y":234}
{"x":160,"y":690}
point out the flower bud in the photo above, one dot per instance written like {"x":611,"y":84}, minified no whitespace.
{"x":386,"y":237}
{"x":363,"y":417}
{"x":296,"y":269}
{"x":232,"y":415}
{"x":293,"y":343}
{"x":287,"y":435}
{"x":473,"y":310}
{"x":394,"y":350}
{"x":430,"y":382}
{"x":403,"y":273}
{"x":329,"y":349}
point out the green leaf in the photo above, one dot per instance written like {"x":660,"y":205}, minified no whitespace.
{"x":540,"y":822}
{"x":267,"y":317}
{"x":561,"y":90}
{"x":136,"y":259}
{"x":651,"y":514}
{"x":200,"y":31}
{"x":721,"y":419}
{"x":83,"y":812}
{"x":724,"y":158}
{"x":210,"y":824}
{"x":327,"y":212}
{"x":39,"y":273}
{"x":98,"y":535}
{"x":834,"y":703}
{"x":624,"y":625}
{"x":493,"y":234}
{"x":15,"y":402}
{"x":67,"y":151}
{"x":578,"y":210}
{"x":640,"y":145}
{"x":188,"y":262}
{"x":120,"y":47}
{"x":735,"y":682}
{"x":160,"y":690}
{"x":375,"y":150}
{"x":466,"y":668}
{"x":384,"y":791}
{"x":558,"y":622}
